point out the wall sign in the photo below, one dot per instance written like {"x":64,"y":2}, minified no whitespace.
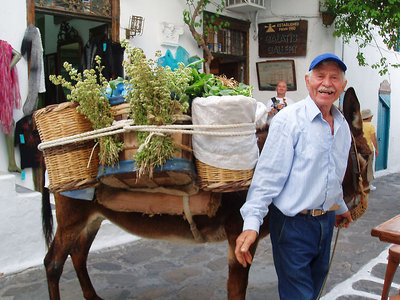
{"x":281,"y":39}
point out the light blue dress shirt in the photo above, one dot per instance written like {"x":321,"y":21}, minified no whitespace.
{"x":302,"y":164}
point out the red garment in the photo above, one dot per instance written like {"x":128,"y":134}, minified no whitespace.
{"x":9,"y":88}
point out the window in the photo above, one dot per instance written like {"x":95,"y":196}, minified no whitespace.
{"x":229,"y":46}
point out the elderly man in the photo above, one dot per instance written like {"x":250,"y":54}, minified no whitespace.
{"x":298,"y":179}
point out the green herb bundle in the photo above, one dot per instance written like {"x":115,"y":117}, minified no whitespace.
{"x":156,"y":94}
{"x":89,"y":91}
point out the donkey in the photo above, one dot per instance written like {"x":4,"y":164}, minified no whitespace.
{"x":79,"y":221}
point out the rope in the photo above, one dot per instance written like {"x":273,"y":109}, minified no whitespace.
{"x":330,"y":263}
{"x":91,"y":155}
{"x":127,"y":126}
{"x":198,"y":237}
{"x":147,"y":141}
{"x":355,"y":211}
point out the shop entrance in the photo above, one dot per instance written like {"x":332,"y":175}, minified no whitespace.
{"x":66,"y":31}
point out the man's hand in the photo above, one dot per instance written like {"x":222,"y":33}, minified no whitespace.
{"x":272,"y":112}
{"x":243,"y":243}
{"x":343,"y":220}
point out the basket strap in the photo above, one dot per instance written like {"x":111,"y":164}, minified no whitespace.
{"x":198,"y":237}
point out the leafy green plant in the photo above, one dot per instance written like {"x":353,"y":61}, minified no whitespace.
{"x":204,"y":85}
{"x":88,"y":90}
{"x":156,"y":94}
{"x":363,"y":21}
{"x":192,"y":17}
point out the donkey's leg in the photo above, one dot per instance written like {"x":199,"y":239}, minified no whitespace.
{"x":55,"y":260}
{"x":72,"y":218}
{"x":79,"y":254}
{"x":238,"y":275}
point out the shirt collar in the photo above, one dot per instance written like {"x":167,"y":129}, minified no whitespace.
{"x":312,"y":111}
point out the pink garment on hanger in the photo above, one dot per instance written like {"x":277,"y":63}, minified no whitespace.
{"x":10,"y":97}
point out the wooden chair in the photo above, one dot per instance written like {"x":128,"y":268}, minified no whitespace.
{"x":393,"y":263}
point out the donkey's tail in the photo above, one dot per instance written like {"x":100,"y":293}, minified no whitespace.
{"x":47,"y":216}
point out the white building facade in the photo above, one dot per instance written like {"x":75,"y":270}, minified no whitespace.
{"x":165,"y":29}
{"x":159,"y":15}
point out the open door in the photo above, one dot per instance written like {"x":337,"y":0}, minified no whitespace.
{"x":99,"y":10}
{"x":383,"y":126}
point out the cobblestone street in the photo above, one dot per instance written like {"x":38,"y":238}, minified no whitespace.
{"x":147,"y":269}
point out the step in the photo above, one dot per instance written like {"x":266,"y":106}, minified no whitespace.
{"x":23,"y":244}
{"x":7,"y":183}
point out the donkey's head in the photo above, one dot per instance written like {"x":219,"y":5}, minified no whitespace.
{"x":355,"y":182}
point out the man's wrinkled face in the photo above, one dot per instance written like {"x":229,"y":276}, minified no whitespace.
{"x":325,"y":83}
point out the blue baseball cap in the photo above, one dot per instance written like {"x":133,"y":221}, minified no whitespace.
{"x":327,"y":56}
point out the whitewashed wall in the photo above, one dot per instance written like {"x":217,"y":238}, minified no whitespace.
{"x":366,"y":82}
{"x":12,"y":29}
{"x":154,"y":13}
{"x":320,"y":39}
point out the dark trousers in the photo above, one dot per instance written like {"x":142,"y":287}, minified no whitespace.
{"x":301,"y":251}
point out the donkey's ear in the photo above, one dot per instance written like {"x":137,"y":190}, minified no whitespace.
{"x":351,"y":111}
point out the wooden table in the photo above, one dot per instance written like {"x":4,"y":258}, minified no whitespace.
{"x":389,"y":231}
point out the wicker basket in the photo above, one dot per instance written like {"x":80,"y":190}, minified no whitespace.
{"x":67,"y":165}
{"x":120,"y":111}
{"x":222,"y":180}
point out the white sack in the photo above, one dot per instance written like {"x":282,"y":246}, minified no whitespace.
{"x":261,"y":115}
{"x":226,"y":152}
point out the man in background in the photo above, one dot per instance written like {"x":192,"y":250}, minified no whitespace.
{"x":369,"y":133}
{"x":275,"y":104}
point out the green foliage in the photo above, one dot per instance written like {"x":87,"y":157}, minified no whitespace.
{"x":194,"y":19}
{"x":204,"y":85}
{"x":89,"y":91}
{"x":156,"y":94}
{"x":360,"y":20}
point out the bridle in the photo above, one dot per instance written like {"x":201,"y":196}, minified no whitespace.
{"x":357,"y":209}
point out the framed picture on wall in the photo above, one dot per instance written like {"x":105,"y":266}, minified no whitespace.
{"x":270,"y":72}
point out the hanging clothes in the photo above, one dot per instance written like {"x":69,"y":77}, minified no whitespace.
{"x":32,"y":49}
{"x":89,"y":53}
{"x":111,"y":54}
{"x":10,"y":97}
{"x":27,"y":138}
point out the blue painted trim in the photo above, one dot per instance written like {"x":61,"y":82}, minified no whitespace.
{"x":385,"y":98}
{"x":128,"y":166}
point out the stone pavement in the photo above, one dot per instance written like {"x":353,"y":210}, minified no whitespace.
{"x":147,"y":269}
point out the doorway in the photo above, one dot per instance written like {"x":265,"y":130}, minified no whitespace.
{"x":382,"y":133}
{"x":65,"y":40}
{"x":86,"y":20}
{"x":383,"y":126}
